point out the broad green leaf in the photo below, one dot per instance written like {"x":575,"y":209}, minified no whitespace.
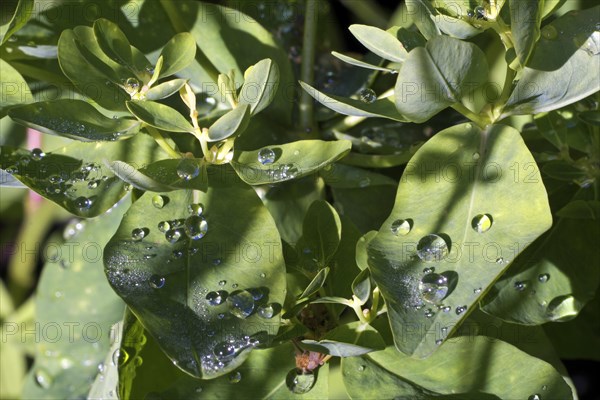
{"x":165,"y":89}
{"x":525,"y":20}
{"x":159,"y":116}
{"x":177,"y":54}
{"x":563,"y":66}
{"x":384,"y":108}
{"x":170,"y":279}
{"x":287,"y":161}
{"x":357,"y":204}
{"x":455,"y":27}
{"x":554,"y":278}
{"x":14,"y":90}
{"x":167,"y":174}
{"x":563,"y":171}
{"x":359,"y":63}
{"x":464,"y":368}
{"x":550,"y":6}
{"x":381,"y":161}
{"x":361,"y":286}
{"x":128,"y":173}
{"x":316,"y":284}
{"x":260,"y":85}
{"x":342,"y":176}
{"x":232,"y":123}
{"x":444,"y":220}
{"x":20,"y":16}
{"x":74,"y":119}
{"x":321,"y":234}
{"x":348,"y":340}
{"x":380,"y":42}
{"x":75,"y":177}
{"x":422,"y":12}
{"x":74,"y":298}
{"x":438,"y":75}
{"x":113,"y":41}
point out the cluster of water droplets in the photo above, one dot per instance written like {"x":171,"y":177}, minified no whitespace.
{"x":242,"y":303}
{"x":223,"y":353}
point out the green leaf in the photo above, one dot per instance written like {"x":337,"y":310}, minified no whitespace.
{"x":343,"y":265}
{"x":591,"y":117}
{"x":331,"y":300}
{"x":422,"y":12}
{"x":554,"y":278}
{"x":361,"y":250}
{"x":525,"y":20}
{"x":316,"y":284}
{"x":20,"y":16}
{"x":321,"y":234}
{"x":455,"y":27}
{"x":384,"y":108}
{"x":164,"y":174}
{"x":113,"y":41}
{"x":165,"y":89}
{"x":563,"y":171}
{"x":290,"y":160}
{"x":342,"y":176}
{"x":563,"y":66}
{"x":359,"y":63}
{"x":581,"y":209}
{"x":445,"y":191}
{"x":234,"y":122}
{"x":128,"y":173}
{"x":159,"y":116}
{"x":361,"y":286}
{"x":72,"y":274}
{"x":75,"y":119}
{"x":348,"y":340}
{"x":260,"y":85}
{"x":14,"y":90}
{"x":167,"y":278}
{"x":75,"y":177}
{"x":451,"y":373}
{"x":380,"y":42}
{"x":177,"y":54}
{"x":438,"y":75}
{"x":358,"y":205}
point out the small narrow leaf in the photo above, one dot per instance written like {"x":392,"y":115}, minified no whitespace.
{"x":362,"y":64}
{"x":23,"y":11}
{"x":380,"y":42}
{"x":260,"y":86}
{"x":233,"y":123}
{"x":177,"y":54}
{"x":348,"y":340}
{"x":159,"y":116}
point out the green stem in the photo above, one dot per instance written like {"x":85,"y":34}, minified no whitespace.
{"x":358,"y":310}
{"x":307,"y":73}
{"x":158,"y":137}
{"x":375,"y":303}
{"x":476,"y":118}
{"x":506,"y":90}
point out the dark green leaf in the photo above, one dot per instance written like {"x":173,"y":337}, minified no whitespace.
{"x":361,"y":286}
{"x":348,"y":340}
{"x":342,"y":176}
{"x":165,"y":89}
{"x":75,"y":119}
{"x":22,"y":13}
{"x":422,"y":12}
{"x":113,"y":41}
{"x":260,"y":85}
{"x":316,"y":284}
{"x":563,"y":171}
{"x":232,"y":123}
{"x":380,"y":42}
{"x":525,"y":20}
{"x":321,"y":234}
{"x":177,"y":54}
{"x":160,"y":116}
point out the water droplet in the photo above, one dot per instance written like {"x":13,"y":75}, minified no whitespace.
{"x":173,"y":235}
{"x":460,"y":309}
{"x":444,"y":330}
{"x":235,"y":377}
{"x":401,"y":227}
{"x":368,"y":96}
{"x":216,"y":298}
{"x":177,"y":254}
{"x":428,"y":270}
{"x":477,"y":291}
{"x":266,"y":156}
{"x":164,"y":226}
{"x":534,"y":397}
{"x":520,"y":286}
{"x":241,"y":304}
{"x":299,"y":382}
{"x":439,"y":342}
{"x":479,"y":12}
{"x":235,"y":285}
{"x":195,"y":227}
{"x":42,"y":378}
{"x":139,"y":233}
{"x":263,"y":275}
{"x":499,"y":260}
{"x":266,"y":311}
{"x":224,"y":350}
{"x":216,"y":261}
{"x":482,"y":223}
{"x":37,"y":154}
{"x":361,"y":368}
{"x":429,"y":313}
{"x":446,"y":309}
{"x":101,"y":368}
{"x":195,"y":209}
{"x":159,"y":201}
{"x":83,"y":203}
{"x":187,"y":169}
{"x":545,"y":387}
{"x":432,"y":248}
{"x":222,"y":283}
{"x":120,"y":357}
{"x":476,"y":156}
{"x":549,"y":32}
{"x":543,"y":278}
{"x":433,"y":288}
{"x":93,"y":184}
{"x":157,"y":282}
{"x":132,"y":85}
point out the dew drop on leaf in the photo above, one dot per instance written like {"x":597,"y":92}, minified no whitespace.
{"x":173,"y":235}
{"x":222,"y":283}
{"x":224,"y":350}
{"x":549,"y":32}
{"x":187,"y":169}
{"x":37,"y":154}
{"x":266,"y":156}
{"x":543,"y":278}
{"x":520,"y":286}
{"x":267,"y":311}
{"x":216,"y":298}
{"x":361,"y":368}
{"x":83,"y":203}
{"x":159,"y":201}
{"x":138,"y":234}
{"x":439,"y":342}
{"x":401,"y":227}
{"x":164,"y":226}
{"x":477,"y":291}
{"x":429,"y":313}
{"x":241,"y":304}
{"x":298,"y":382}
{"x":235,"y":377}
{"x":120,"y":357}
{"x":195,"y":227}
{"x":433,"y":288}
{"x":132,"y":85}
{"x":476,"y":156}
{"x":42,"y":378}
{"x":482,"y":223}
{"x":368,"y":96}
{"x":156,"y":281}
{"x":460,"y":309}
{"x":432,"y":248}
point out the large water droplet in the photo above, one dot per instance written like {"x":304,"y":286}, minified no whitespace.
{"x":534,"y":397}
{"x":187,"y":169}
{"x":132,"y":85}
{"x":216,"y":298}
{"x":401,"y":227}
{"x":224,"y":350}
{"x":235,"y":377}
{"x":549,"y":32}
{"x":42,"y":378}
{"x":429,"y":313}
{"x":433,"y":288}
{"x":368,"y":96}
{"x":520,"y":286}
{"x":482,"y":223}
{"x":266,"y":156}
{"x":195,"y":227}
{"x":432,"y":248}
{"x":164,"y":226}
{"x":37,"y":154}
{"x":241,"y":304}
{"x":120,"y":357}
{"x":543,"y":278}
{"x":159,"y":201}
{"x":267,"y":311}
{"x":83,"y":203}
{"x":461,"y":309}
{"x":195,"y":209}
{"x":139,"y":233}
{"x":156,"y":281}
{"x":299,"y":382}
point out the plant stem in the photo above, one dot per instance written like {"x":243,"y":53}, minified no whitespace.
{"x":307,"y":73}
{"x":375,"y":303}
{"x":506,"y":90}
{"x":358,"y":310}
{"x":477,"y":119}
{"x":156,"y":135}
